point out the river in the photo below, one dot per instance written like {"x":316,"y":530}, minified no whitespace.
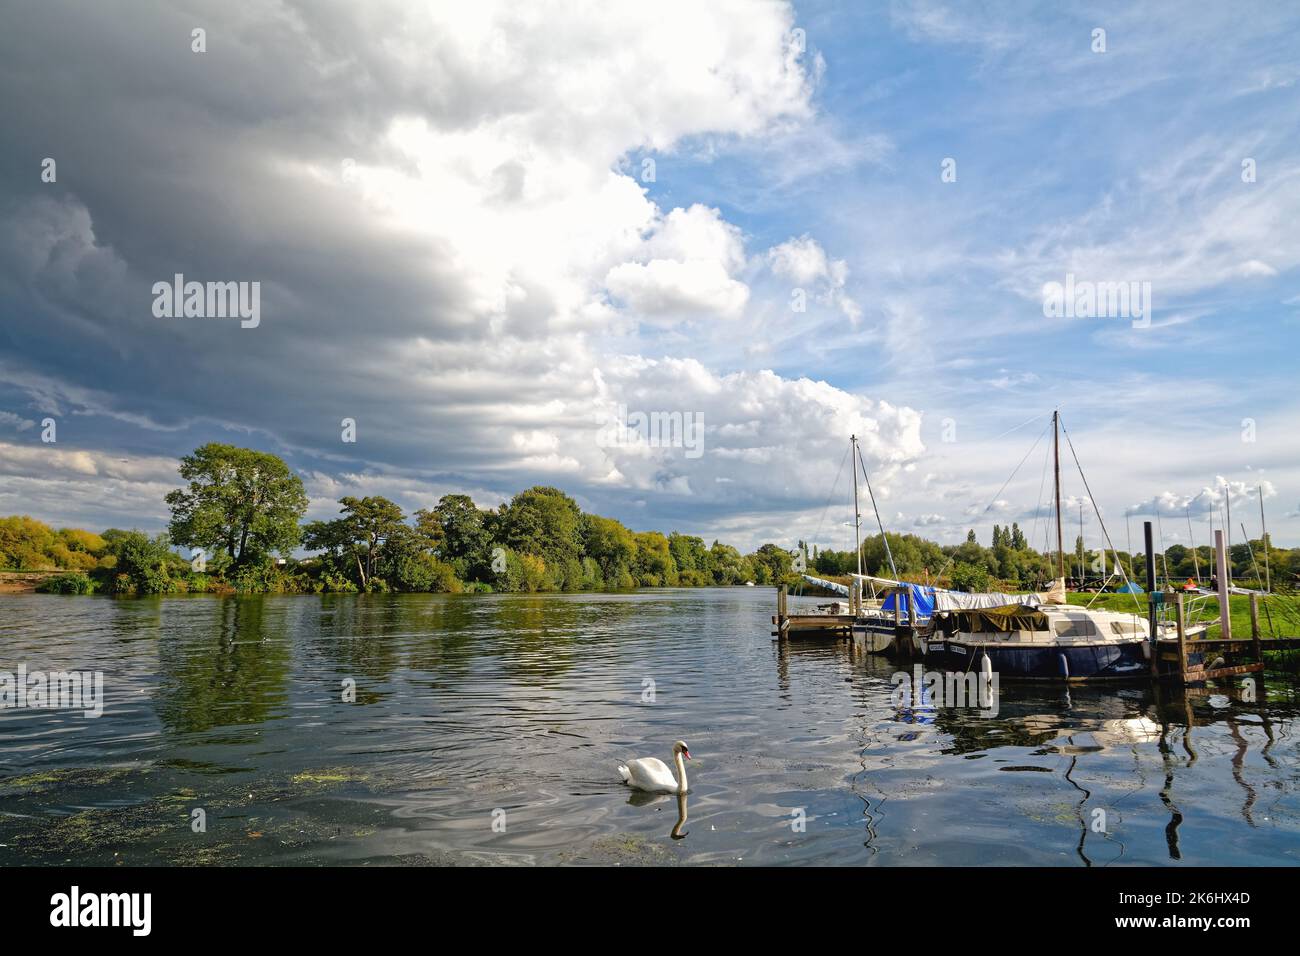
{"x":487,"y":729}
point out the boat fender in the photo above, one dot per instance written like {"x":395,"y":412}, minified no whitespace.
{"x":1065,"y":666}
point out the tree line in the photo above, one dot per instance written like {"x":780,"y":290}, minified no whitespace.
{"x":243,"y":510}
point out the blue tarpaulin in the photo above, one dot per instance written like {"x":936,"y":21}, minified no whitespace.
{"x":1129,"y":587}
{"x":922,"y":600}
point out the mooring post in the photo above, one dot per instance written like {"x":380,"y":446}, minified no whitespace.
{"x":1182,"y":636}
{"x":1254,"y":627}
{"x":781,"y":612}
{"x":1221,"y":576}
{"x":1153,"y":599}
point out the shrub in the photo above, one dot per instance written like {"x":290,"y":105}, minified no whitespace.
{"x":76,"y":583}
{"x":970,"y":577}
{"x":424,"y":572}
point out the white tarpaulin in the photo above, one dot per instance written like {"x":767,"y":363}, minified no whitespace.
{"x":960,"y":601}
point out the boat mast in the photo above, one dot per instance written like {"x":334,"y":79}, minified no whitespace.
{"x":1263,"y":530}
{"x":1191,"y":540}
{"x":1056,"y":468}
{"x":1227,"y":528}
{"x":857,"y":516}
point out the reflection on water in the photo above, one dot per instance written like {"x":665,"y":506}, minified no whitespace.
{"x":487,"y":729}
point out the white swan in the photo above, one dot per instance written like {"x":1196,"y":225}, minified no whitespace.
{"x":652,"y":774}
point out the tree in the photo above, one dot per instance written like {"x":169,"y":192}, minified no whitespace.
{"x":462,"y":526}
{"x":970,"y":536}
{"x":543,"y":521}
{"x":728,"y":565}
{"x":612,"y":546}
{"x":369,"y":524}
{"x":654,"y":562}
{"x":244,"y":502}
{"x":1018,"y":541}
{"x":692,"y":559}
{"x":774,"y":561}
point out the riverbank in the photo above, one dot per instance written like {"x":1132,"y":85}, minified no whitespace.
{"x":24,"y":582}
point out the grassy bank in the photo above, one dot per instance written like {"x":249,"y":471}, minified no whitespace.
{"x":1279,"y":615}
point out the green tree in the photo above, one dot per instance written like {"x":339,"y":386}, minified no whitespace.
{"x":244,"y":502}
{"x":543,"y":521}
{"x":612,"y":546}
{"x":1018,"y":541}
{"x":654,"y":565}
{"x":466,"y":539}
{"x":369,"y":530}
{"x":772,"y":563}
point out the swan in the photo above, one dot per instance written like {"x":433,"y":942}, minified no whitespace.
{"x":652,"y":774}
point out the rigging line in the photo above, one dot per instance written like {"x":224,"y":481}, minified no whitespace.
{"x":1013,"y":474}
{"x":1038,"y":502}
{"x":1017,"y":427}
{"x":988,"y":507}
{"x":1100,"y":522}
{"x":883,"y":537}
{"x":834,"y":485}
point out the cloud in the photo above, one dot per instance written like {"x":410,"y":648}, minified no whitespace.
{"x":804,"y":262}
{"x":441,"y":206}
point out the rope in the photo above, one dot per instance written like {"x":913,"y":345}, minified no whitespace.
{"x":1095,"y":509}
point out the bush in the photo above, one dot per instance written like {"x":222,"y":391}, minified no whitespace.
{"x":76,"y":583}
{"x":145,"y":562}
{"x":424,"y":572}
{"x":970,"y":577}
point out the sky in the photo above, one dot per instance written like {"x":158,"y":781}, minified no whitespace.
{"x":491,"y":234}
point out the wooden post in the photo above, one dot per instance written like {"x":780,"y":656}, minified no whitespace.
{"x":781,"y":611}
{"x":898,"y":607}
{"x":1221,"y":574}
{"x":1182,"y":636}
{"x":1153,"y":597}
{"x":1254,"y":627}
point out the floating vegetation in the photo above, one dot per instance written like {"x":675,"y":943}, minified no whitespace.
{"x":160,"y":826}
{"x":622,"y":848}
{"x":69,"y":778}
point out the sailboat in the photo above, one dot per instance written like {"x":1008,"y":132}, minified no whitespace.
{"x":1038,"y":636}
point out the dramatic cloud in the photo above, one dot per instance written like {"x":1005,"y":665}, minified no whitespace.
{"x":447,"y":211}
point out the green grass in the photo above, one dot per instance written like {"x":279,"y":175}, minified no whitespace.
{"x":1284,"y":611}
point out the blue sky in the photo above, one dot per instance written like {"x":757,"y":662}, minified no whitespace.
{"x":458,"y":248}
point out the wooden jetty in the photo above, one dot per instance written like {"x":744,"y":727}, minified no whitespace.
{"x":809,"y":625}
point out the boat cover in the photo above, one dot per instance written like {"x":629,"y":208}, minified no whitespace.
{"x":828,"y":585}
{"x":961,"y":601}
{"x":922,"y":599}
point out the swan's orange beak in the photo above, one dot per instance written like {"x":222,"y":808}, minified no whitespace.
{"x":687,"y":754}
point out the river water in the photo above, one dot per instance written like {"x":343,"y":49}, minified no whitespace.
{"x":487,"y":729}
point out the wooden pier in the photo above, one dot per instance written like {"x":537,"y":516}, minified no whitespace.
{"x":808,"y":625}
{"x":1220,"y":657}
